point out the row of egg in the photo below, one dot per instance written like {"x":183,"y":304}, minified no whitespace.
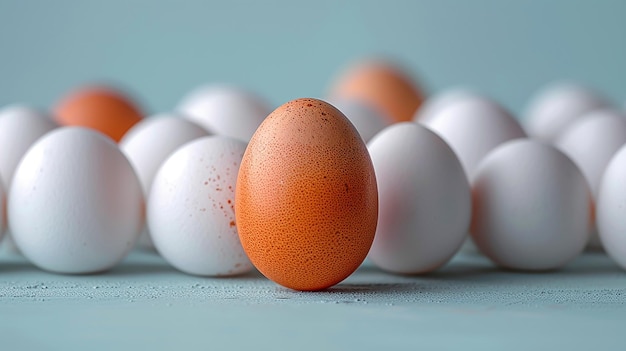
{"x":75,"y":203}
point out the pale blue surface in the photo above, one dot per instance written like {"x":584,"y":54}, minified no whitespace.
{"x":288,"y":49}
{"x":145,"y":304}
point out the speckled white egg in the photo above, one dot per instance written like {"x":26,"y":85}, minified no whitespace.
{"x":611,"y":208}
{"x":591,"y":142}
{"x":150,"y":142}
{"x":75,"y":204}
{"x":435,"y":103}
{"x":191,"y":212}
{"x":225,"y":110}
{"x":366,"y":119}
{"x":424,"y":200}
{"x":473,"y":127}
{"x":532,"y":206}
{"x":555,"y":107}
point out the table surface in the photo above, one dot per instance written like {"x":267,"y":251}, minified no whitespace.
{"x":144,"y":303}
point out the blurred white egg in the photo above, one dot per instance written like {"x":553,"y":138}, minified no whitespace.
{"x":435,"y":103}
{"x":150,"y":142}
{"x":591,"y":142}
{"x":424,"y":200}
{"x":225,"y":110}
{"x":367,"y":120}
{"x":473,"y":127}
{"x":75,"y":204}
{"x":611,"y":208}
{"x":191,"y":212}
{"x":532,"y":206}
{"x":20,"y":127}
{"x":555,"y":107}
{"x":3,"y":220}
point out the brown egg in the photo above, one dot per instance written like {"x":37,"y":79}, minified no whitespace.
{"x":382,"y":85}
{"x":101,"y":108}
{"x":306,"y":200}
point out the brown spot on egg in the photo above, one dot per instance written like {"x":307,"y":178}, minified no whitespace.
{"x":291,"y":198}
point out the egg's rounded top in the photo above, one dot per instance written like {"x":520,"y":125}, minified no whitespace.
{"x":306,"y":197}
{"x":382,"y":84}
{"x":99,"y":107}
{"x":307,"y":120}
{"x":557,"y":106}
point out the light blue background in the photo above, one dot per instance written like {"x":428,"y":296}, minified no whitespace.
{"x":288,"y":49}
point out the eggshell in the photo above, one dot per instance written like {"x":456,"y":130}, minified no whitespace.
{"x":591,"y":142}
{"x":555,"y":107}
{"x":366,"y":119}
{"x":423,"y":197}
{"x":225,"y":110}
{"x":306,"y":199}
{"x":101,"y":108}
{"x":431,"y":107}
{"x":191,"y":208}
{"x":3,"y":220}
{"x":381,"y":84}
{"x":610,"y":209}
{"x":20,"y":127}
{"x":473,"y":127}
{"x":150,"y":142}
{"x":75,"y":204}
{"x":531,"y":206}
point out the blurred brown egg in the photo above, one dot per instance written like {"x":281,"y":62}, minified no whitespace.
{"x":102,"y":108}
{"x":381,"y":84}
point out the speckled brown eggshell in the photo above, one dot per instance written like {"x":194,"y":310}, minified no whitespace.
{"x":306,"y":197}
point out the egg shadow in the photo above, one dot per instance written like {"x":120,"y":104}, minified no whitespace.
{"x":464,"y":270}
{"x":139,"y":268}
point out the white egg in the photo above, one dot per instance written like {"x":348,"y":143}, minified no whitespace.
{"x":150,"y":142}
{"x":434,"y":104}
{"x":532,"y":206}
{"x":225,"y":110}
{"x":75,"y":204}
{"x":191,"y":212}
{"x":20,"y":127}
{"x":591,"y":142}
{"x":367,"y":120}
{"x":3,"y":220}
{"x":473,"y":127}
{"x":611,"y":209}
{"x":424,"y":200}
{"x":555,"y":107}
